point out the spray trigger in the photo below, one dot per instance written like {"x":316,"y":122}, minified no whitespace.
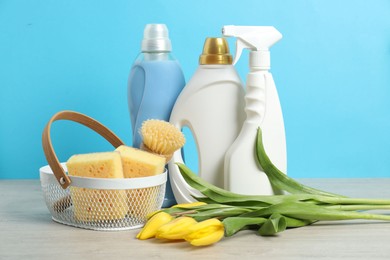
{"x":240,"y":46}
{"x":258,"y":39}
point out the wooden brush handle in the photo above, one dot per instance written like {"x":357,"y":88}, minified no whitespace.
{"x":89,"y":122}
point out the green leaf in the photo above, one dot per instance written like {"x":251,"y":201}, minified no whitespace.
{"x":280,"y":180}
{"x":218,"y":195}
{"x":296,"y":222}
{"x":274,"y":224}
{"x":234,"y":224}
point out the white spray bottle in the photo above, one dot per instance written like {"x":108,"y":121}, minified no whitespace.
{"x":242,"y":172}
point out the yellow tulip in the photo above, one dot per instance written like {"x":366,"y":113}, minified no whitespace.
{"x":189,"y":205}
{"x":176,"y":229}
{"x":206,"y":232}
{"x":151,"y":214}
{"x":153,"y":224}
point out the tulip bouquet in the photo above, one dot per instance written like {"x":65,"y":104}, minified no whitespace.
{"x":163,"y":225}
{"x":222,"y":213}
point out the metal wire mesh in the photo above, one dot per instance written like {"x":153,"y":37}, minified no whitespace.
{"x":101,"y":209}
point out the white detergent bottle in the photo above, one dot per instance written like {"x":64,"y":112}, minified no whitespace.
{"x":243,"y":174}
{"x":211,"y":105}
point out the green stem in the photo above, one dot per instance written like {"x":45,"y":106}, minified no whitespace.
{"x":358,"y":207}
{"x":218,"y":213}
{"x":308,"y":211}
{"x":351,"y":201}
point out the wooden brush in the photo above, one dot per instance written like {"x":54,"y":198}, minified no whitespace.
{"x":161,"y":137}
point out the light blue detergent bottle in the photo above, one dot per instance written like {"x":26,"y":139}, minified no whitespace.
{"x":155,"y":81}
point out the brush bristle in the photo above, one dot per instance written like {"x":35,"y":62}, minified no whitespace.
{"x":161,"y":137}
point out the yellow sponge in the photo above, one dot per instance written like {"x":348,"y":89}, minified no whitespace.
{"x":138,"y":163}
{"x":96,"y":165}
{"x":91,"y":204}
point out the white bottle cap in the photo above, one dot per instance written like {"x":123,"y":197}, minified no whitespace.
{"x":156,"y":38}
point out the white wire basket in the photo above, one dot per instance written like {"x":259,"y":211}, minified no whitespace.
{"x":97,"y":203}
{"x":103,"y":204}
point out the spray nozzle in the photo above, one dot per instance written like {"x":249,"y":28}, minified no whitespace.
{"x":255,"y":38}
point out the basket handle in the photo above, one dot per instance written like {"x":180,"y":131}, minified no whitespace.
{"x":91,"y":123}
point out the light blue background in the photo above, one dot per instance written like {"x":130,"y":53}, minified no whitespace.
{"x":332,"y":71}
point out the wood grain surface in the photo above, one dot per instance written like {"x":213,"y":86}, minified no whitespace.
{"x":27,"y":232}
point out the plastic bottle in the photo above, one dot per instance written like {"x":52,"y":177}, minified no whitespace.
{"x":243,"y":174}
{"x":212,"y":107}
{"x":155,"y":81}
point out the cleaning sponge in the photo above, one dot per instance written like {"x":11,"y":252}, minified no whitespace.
{"x":138,"y":163}
{"x":96,"y":165}
{"x":92,"y":204}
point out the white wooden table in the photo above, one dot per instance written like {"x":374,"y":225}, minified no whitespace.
{"x":27,"y":232}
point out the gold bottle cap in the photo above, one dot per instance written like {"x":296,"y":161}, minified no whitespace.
{"x":216,"y":51}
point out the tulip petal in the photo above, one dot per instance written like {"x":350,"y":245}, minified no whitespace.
{"x":206,"y":232}
{"x":176,"y":229}
{"x":208,"y":240}
{"x":153,"y":224}
{"x":189,"y":205}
